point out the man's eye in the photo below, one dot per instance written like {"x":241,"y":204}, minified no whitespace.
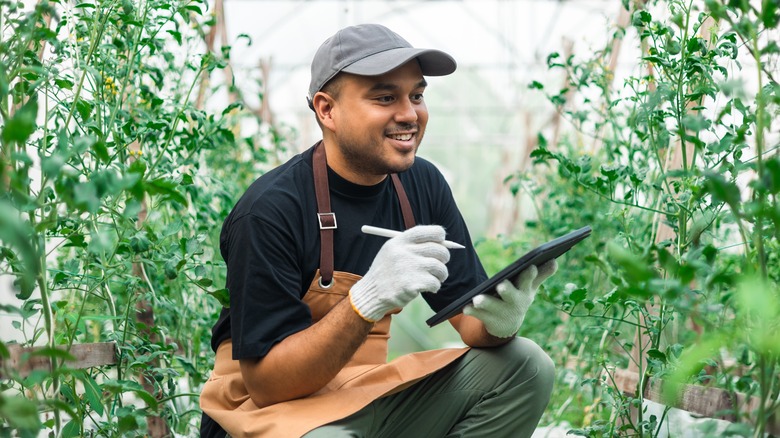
{"x":417,"y":97}
{"x":385,"y":99}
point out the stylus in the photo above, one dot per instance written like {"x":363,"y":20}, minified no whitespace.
{"x":384,"y":232}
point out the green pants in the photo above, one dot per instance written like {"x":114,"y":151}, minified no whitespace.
{"x":489,"y":392}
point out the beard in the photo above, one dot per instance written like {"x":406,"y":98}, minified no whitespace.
{"x":369,"y":157}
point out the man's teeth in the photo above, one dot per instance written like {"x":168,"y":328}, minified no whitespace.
{"x":401,"y":137}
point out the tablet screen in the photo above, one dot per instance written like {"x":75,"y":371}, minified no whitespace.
{"x":537,"y":256}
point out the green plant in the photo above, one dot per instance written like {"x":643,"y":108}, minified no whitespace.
{"x":679,"y":182}
{"x":110,"y":209}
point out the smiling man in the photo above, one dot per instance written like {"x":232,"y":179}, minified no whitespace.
{"x":302,"y":349}
{"x":385,"y":138}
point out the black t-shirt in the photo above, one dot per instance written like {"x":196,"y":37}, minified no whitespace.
{"x":271,"y":245}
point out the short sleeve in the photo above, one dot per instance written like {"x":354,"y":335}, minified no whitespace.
{"x":264,"y":282}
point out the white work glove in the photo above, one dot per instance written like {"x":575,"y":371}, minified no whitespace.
{"x":503,"y":315}
{"x":406,"y":265}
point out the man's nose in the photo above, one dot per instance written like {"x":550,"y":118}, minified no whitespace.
{"x":407,"y":111}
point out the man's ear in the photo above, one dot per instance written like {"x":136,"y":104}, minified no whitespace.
{"x":323,"y":107}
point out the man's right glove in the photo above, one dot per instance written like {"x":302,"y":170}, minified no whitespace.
{"x":406,"y":265}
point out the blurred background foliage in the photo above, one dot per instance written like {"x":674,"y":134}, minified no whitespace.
{"x":126,"y":141}
{"x":115,"y":182}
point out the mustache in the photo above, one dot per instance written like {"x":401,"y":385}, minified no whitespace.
{"x":404,"y":127}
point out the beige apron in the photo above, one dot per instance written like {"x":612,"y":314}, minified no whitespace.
{"x":364,"y":379}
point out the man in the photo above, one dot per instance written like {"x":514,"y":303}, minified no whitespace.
{"x":302,"y":350}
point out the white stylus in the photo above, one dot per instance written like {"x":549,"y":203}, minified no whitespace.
{"x":384,"y":232}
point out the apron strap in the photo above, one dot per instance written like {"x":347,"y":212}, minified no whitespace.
{"x":406,"y":208}
{"x":327,"y":218}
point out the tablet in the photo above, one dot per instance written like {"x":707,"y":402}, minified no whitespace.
{"x":537,"y":256}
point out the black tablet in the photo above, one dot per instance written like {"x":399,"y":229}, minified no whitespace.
{"x":537,"y":256}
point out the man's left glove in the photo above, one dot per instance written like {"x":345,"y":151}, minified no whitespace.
{"x":503,"y":315}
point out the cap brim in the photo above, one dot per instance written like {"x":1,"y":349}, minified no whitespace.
{"x":432,"y":62}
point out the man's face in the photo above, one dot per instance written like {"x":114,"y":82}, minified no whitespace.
{"x":378,"y":123}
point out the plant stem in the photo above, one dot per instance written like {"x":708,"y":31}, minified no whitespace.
{"x":681,"y":104}
{"x":760,"y":157}
{"x":48,"y":317}
{"x":615,"y":201}
{"x":640,"y":373}
{"x":608,"y":318}
{"x":94,"y":43}
{"x":661,"y":422}
{"x":182,"y":394}
{"x":164,"y":148}
{"x":761,"y":416}
{"x":125,"y":329}
{"x":131,"y":55}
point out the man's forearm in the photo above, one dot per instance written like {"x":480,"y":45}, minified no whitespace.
{"x":473,"y":333}
{"x":306,"y":361}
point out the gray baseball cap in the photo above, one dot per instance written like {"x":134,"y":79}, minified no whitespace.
{"x":371,"y":50}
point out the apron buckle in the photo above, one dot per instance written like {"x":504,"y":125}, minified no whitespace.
{"x":327,"y":221}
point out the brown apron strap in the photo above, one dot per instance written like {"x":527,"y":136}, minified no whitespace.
{"x":406,"y":208}
{"x":325,"y":217}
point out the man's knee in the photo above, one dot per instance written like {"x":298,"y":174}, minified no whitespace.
{"x":533,"y":364}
